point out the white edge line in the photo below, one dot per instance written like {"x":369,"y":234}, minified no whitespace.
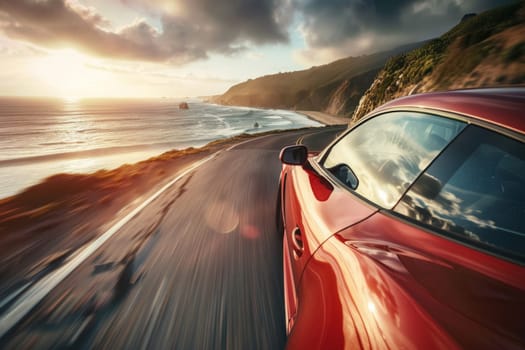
{"x":35,"y":294}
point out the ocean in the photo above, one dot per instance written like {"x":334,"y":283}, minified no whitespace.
{"x":42,"y":137}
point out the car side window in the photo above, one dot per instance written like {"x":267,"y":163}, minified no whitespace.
{"x":380,"y":158}
{"x":475,"y":192}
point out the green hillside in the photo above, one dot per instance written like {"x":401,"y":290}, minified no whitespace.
{"x":334,"y":88}
{"x":483,"y":50}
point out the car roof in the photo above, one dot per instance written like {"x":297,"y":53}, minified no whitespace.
{"x":501,"y":106}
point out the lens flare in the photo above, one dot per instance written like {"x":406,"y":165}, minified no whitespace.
{"x":221,"y":217}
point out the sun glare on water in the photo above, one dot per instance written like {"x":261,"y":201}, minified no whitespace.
{"x":68,"y":74}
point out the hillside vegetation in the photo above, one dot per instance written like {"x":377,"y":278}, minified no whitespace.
{"x":483,"y":50}
{"x":334,"y":88}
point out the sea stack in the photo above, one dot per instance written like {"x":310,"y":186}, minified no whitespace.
{"x":184,"y":105}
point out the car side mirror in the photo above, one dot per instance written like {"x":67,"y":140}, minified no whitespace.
{"x":294,"y":155}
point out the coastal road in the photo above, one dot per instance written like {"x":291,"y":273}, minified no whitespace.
{"x":198,"y":268}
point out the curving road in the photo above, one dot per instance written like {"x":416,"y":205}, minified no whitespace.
{"x":198,"y":268}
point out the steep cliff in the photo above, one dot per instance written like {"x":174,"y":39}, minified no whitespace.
{"x":334,"y":88}
{"x":483,"y":50}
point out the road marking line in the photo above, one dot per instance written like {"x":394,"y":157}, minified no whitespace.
{"x":301,"y":139}
{"x":28,"y":300}
{"x":249,"y":140}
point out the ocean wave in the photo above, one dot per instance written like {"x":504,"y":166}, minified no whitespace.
{"x":64,"y":143}
{"x":280,"y":123}
{"x":95,"y":152}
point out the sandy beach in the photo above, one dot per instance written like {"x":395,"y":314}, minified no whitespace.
{"x":325,"y":118}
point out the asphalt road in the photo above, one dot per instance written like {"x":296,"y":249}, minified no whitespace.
{"x":198,"y":268}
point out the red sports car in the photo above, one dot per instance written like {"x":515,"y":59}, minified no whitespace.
{"x":408,"y":231}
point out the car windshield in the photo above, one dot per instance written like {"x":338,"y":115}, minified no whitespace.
{"x":380,"y":158}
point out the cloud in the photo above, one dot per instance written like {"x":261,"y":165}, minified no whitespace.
{"x":153,"y":70}
{"x":190,"y":29}
{"x":339,"y":28}
{"x":201,"y":26}
{"x":58,"y":24}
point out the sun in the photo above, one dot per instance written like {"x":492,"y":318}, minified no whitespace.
{"x":68,"y":74}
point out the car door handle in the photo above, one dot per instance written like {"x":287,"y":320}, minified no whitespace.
{"x":297,"y":243}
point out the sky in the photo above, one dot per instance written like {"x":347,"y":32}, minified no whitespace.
{"x":179,"y":48}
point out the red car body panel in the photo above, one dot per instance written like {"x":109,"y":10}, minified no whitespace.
{"x":369,"y":279}
{"x":503,"y":107}
{"x":316,"y":221}
{"x":397,"y":290}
